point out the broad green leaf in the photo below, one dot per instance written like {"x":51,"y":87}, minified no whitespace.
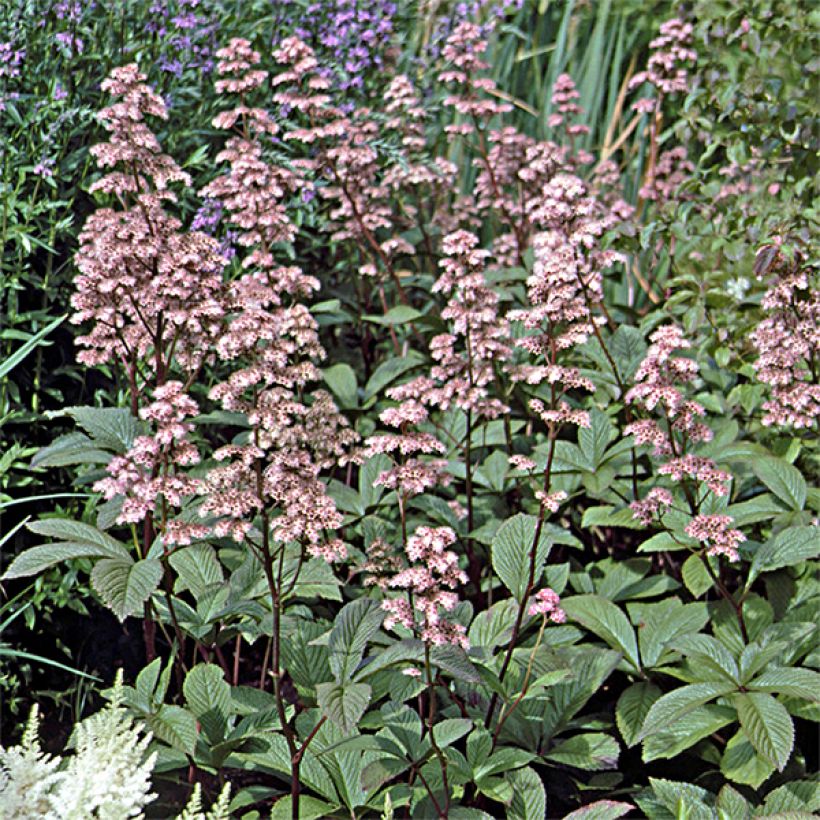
{"x":797,"y":795}
{"x":511,"y":550}
{"x":398,"y":315}
{"x":208,"y":696}
{"x":684,"y":800}
{"x":709,"y":657}
{"x":175,"y":725}
{"x":695,"y":576}
{"x":454,"y":661}
{"x":36,"y":559}
{"x":341,"y":379}
{"x":685,"y":732}
{"x":679,"y":702}
{"x":742,"y":764}
{"x":310,"y":808}
{"x":763,"y":507}
{"x":732,"y":805}
{"x":767,"y":725}
{"x":783,"y":479}
{"x":368,"y":473}
{"x":632,"y":708}
{"x":493,"y":627}
{"x":355,"y":625}
{"x":402,"y":651}
{"x":664,"y":624}
{"x":799,"y":683}
{"x":601,"y":810}
{"x":529,"y":800}
{"x":594,"y":440}
{"x":197,"y":567}
{"x":610,"y":516}
{"x":388,"y":371}
{"x":125,"y":585}
{"x":788,"y":548}
{"x":343,"y":703}
{"x":592,"y":751}
{"x":606,"y":621}
{"x":70,"y":449}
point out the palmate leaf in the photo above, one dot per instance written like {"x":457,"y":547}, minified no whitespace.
{"x":686,"y":731}
{"x":197,"y":567}
{"x":742,"y":764}
{"x":606,"y":621}
{"x":768,"y":726}
{"x":175,"y":725}
{"x":125,"y":585}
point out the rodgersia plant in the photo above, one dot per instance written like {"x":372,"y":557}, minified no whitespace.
{"x":461,"y":574}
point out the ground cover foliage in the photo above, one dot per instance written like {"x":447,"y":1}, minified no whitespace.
{"x":409,"y":410}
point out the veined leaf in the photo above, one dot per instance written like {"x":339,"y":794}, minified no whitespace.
{"x":208,"y":696}
{"x":632,"y":708}
{"x":511,"y":553}
{"x":197,"y":567}
{"x":606,"y":621}
{"x":601,"y":810}
{"x":529,"y":801}
{"x":344,"y":703}
{"x":788,"y":548}
{"x":742,"y":764}
{"x":355,"y":625}
{"x":593,"y":751}
{"x":768,"y":726}
{"x":686,"y":731}
{"x":674,"y":705}
{"x":783,"y":479}
{"x":799,"y":683}
{"x":125,"y":585}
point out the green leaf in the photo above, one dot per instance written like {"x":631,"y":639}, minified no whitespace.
{"x":732,"y":805}
{"x":125,"y":585}
{"x":665,"y":623}
{"x":389,"y":371}
{"x":70,"y":449}
{"x":797,"y":795}
{"x":454,"y":661}
{"x":684,"y":800}
{"x":355,"y":625}
{"x":760,"y":508}
{"x":310,"y":808}
{"x":343,"y":703}
{"x":36,"y":559}
{"x":632,"y":708}
{"x":529,"y":800}
{"x":606,"y":621}
{"x":695,"y":576}
{"x":341,"y":379}
{"x":767,"y":725}
{"x":398,"y":315}
{"x":594,"y":440}
{"x":593,"y":751}
{"x":198,"y":568}
{"x":610,"y":516}
{"x":208,"y":696}
{"x":709,"y":657}
{"x":687,"y":731}
{"x":368,"y":473}
{"x":742,"y":764}
{"x":783,"y":479}
{"x":511,"y":553}
{"x":601,"y":810}
{"x":799,"y":683}
{"x":175,"y":725}
{"x":679,"y":702}
{"x":788,"y":548}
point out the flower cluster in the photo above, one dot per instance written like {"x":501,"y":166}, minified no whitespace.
{"x":788,"y":339}
{"x":151,"y":290}
{"x":430,"y":579}
{"x":713,"y":531}
{"x":547,"y":603}
{"x":148,"y":473}
{"x":667,"y":69}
